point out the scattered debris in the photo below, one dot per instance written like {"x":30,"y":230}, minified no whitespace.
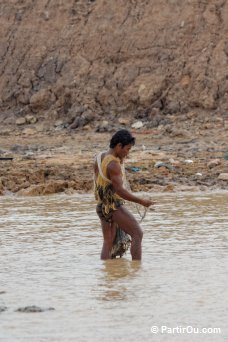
{"x":199,"y":174}
{"x":161,"y":164}
{"x":137,"y":124}
{"x":135,"y":169}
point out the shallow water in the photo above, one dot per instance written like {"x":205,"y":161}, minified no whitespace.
{"x":49,"y":252}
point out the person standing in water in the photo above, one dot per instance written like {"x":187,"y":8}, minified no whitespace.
{"x":110,"y":194}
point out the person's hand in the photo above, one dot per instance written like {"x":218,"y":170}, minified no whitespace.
{"x":147,"y":202}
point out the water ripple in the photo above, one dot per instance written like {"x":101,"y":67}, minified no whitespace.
{"x":49,"y":254}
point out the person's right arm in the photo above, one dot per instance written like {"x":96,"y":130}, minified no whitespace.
{"x":115,"y":175}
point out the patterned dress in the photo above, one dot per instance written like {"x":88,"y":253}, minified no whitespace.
{"x":108,"y":200}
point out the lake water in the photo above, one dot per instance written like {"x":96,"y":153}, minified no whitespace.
{"x":50,"y":257}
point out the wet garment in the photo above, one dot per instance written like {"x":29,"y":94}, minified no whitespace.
{"x":108,"y":200}
{"x":102,"y":215}
{"x":121,"y":243}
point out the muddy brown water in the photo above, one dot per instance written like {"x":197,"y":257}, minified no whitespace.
{"x":49,"y":252}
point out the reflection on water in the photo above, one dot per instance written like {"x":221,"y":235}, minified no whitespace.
{"x":49,"y":252}
{"x":113,"y":272}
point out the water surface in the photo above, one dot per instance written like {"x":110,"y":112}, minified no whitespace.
{"x":49,"y":252}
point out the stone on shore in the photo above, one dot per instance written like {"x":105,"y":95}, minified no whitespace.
{"x":20,"y":121}
{"x":223,"y":176}
{"x":213,"y":163}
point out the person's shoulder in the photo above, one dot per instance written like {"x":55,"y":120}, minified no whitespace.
{"x":114,"y":165}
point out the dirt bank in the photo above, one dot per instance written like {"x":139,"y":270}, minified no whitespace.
{"x":74,"y":71}
{"x":61,"y":161}
{"x":93,"y":60}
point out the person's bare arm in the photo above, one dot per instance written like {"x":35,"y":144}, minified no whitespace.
{"x":115,"y":175}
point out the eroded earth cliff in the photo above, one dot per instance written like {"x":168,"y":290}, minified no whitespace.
{"x":70,"y":68}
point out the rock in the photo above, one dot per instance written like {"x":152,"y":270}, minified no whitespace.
{"x":42,"y":99}
{"x":87,"y":116}
{"x":69,"y":191}
{"x":213,"y":163}
{"x":29,"y":131}
{"x":191,"y":115}
{"x":6,"y":131}
{"x":45,"y":15}
{"x":82,"y":120}
{"x":169,"y":188}
{"x":208,"y":126}
{"x":185,"y":81}
{"x":87,"y":128}
{"x":172,"y":107}
{"x":179,"y":133}
{"x":175,"y":132}
{"x":188,"y":161}
{"x":78,"y":121}
{"x":156,"y":120}
{"x":163,"y":169}
{"x":20,"y":121}
{"x":41,"y":127}
{"x":3,"y":308}
{"x":58,"y":123}
{"x":24,"y":97}
{"x":137,"y":124}
{"x":147,"y":88}
{"x":198,"y":174}
{"x":165,"y":165}
{"x":223,"y":176}
{"x":174,"y":162}
{"x":19,"y":148}
{"x":32,"y":309}
{"x":76,"y":111}
{"x":104,"y":126}
{"x":30,"y":119}
{"x":124,"y":121}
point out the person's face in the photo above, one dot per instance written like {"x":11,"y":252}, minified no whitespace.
{"x":123,"y":151}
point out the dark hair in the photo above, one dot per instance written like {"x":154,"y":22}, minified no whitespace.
{"x":122,"y":137}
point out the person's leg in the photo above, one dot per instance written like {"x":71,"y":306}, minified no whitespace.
{"x":109,"y":233}
{"x":128,"y":223}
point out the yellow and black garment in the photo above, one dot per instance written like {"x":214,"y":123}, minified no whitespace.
{"x":108,"y":200}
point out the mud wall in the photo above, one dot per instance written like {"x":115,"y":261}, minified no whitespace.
{"x":60,"y":59}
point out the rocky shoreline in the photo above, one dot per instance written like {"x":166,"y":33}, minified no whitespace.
{"x":57,"y":161}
